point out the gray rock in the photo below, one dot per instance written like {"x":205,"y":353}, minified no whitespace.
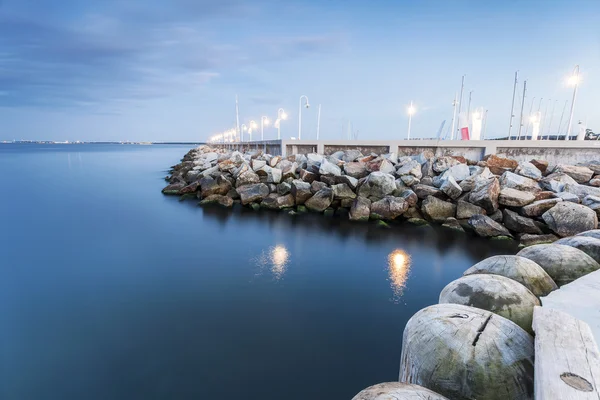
{"x":426,"y":180}
{"x":570,"y":197}
{"x":320,"y":200}
{"x":531,"y":240}
{"x":411,"y":168}
{"x":397,"y":390}
{"x":450,"y":187}
{"x":520,"y":269}
{"x":459,"y":172}
{"x":223,"y":201}
{"x":486,"y":227}
{"x":342,"y":191}
{"x":444,"y":344}
{"x":568,"y":219}
{"x":453,"y":224}
{"x":594,"y":233}
{"x":581,"y":191}
{"x":537,"y":208}
{"x":514,"y":181}
{"x":348,"y":180}
{"x":284,"y":188}
{"x":173,"y":188}
{"x":258,"y":164}
{"x":328,"y":168}
{"x":427,"y":169}
{"x":378,"y":185}
{"x":465,"y":210}
{"x":301,"y":191}
{"x":556,"y":182}
{"x":388,"y":208}
{"x":528,"y":170}
{"x":308,"y":176}
{"x":423,"y":191}
{"x":589,"y":245}
{"x":210,"y":186}
{"x":485,"y":194}
{"x":410,"y":197}
{"x":288,"y":169}
{"x":247,"y":177}
{"x":360,"y":209}
{"x":441,"y":164}
{"x":517,"y":223}
{"x":580,"y":174}
{"x":497,"y":216}
{"x":409,"y":180}
{"x":316,"y":186}
{"x":495,"y":293}
{"x":563,"y":263}
{"x":388,"y":167}
{"x":351,"y":155}
{"x":515,"y":198}
{"x":593,"y":182}
{"x":253,"y":192}
{"x":437,"y":210}
{"x":356,"y":170}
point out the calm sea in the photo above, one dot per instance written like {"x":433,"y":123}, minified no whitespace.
{"x":110,"y":290}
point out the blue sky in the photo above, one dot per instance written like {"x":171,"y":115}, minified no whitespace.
{"x":170,"y":70}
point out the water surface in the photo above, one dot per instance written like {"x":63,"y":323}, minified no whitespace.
{"x":110,"y":290}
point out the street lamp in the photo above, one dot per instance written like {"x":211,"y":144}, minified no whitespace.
{"x":253,"y":126}
{"x":411,"y":111}
{"x":264,"y":120}
{"x":280,"y":115}
{"x":573,"y":81}
{"x":307,"y":105}
{"x":243,"y":129}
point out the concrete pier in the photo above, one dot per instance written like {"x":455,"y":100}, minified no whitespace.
{"x":553,"y":151}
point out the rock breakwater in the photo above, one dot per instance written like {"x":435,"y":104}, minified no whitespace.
{"x":533,"y":202}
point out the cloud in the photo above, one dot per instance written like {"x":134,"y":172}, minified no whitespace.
{"x":77,"y":58}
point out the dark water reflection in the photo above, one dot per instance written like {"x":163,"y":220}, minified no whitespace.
{"x":109,"y":290}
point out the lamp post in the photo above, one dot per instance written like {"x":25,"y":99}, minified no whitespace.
{"x":280,"y":115}
{"x":307,"y":105}
{"x":264,"y":120}
{"x":573,"y":81}
{"x":243,"y":129}
{"x":253,"y":126}
{"x":411,"y":110}
{"x":319,"y":122}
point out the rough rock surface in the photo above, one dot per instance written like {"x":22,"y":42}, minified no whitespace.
{"x":485,"y":194}
{"x":520,"y":269}
{"x":252,"y":193}
{"x":495,"y":293}
{"x":515,"y":198}
{"x":388,"y":208}
{"x":397,"y":391}
{"x":437,"y":210}
{"x":360,"y":209}
{"x":445,"y":343}
{"x":589,"y":245}
{"x":517,"y":223}
{"x":320,"y":201}
{"x":568,"y":219}
{"x":465,"y":210}
{"x":486,"y":227}
{"x":563,"y":263}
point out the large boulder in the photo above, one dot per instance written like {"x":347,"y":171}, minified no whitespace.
{"x":556,"y":182}
{"x":593,"y":202}
{"x":528,"y":170}
{"x":514,"y":181}
{"x":437,"y":210}
{"x":423,"y":191}
{"x":563,"y":263}
{"x":495,"y":293}
{"x":520,"y":269}
{"x":355,"y":169}
{"x":409,"y":196}
{"x":360,"y":209}
{"x":519,"y":224}
{"x":308,"y":176}
{"x":537,"y":208}
{"x":342,"y":191}
{"x":277,"y":202}
{"x":223,"y":201}
{"x":515,"y":198}
{"x":397,"y":391}
{"x":466,"y":353}
{"x":377,"y":185}
{"x":410,"y":168}
{"x":486,"y":227}
{"x":321,"y":200}
{"x":388,"y":167}
{"x":568,"y":219}
{"x":328,"y":168}
{"x":485,"y":194}
{"x":254,"y":192}
{"x":301,"y":191}
{"x":388,"y":208}
{"x":441,"y":164}
{"x":247,"y":177}
{"x":450,"y":187}
{"x":588,"y":245}
{"x":173,"y":188}
{"x":351,"y":155}
{"x":210,"y":186}
{"x":579,"y":173}
{"x":459,"y":172}
{"x":542,"y":165}
{"x":465,"y":210}
{"x":594,"y":233}
{"x":499,"y":165}
{"x":528,"y":239}
{"x":581,"y":191}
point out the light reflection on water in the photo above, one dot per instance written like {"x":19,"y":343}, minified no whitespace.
{"x":398,"y":268}
{"x":275,"y":259}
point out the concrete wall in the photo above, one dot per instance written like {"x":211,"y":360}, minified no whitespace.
{"x":553,"y":151}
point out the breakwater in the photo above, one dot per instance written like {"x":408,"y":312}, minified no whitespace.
{"x":500,"y":198}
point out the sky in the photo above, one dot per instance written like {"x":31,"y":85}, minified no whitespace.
{"x":170,"y":70}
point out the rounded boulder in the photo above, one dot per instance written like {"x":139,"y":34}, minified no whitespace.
{"x":397,"y":391}
{"x":563,"y":263}
{"x":588,"y":245}
{"x":568,"y":219}
{"x":494,"y":293}
{"x":523,"y":270}
{"x":594,"y":233}
{"x":467,"y":353}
